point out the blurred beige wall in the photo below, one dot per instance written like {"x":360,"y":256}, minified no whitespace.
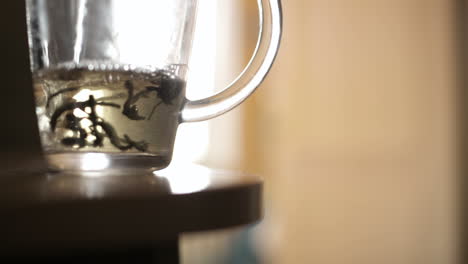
{"x":354,"y":134}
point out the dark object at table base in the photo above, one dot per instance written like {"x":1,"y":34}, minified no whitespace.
{"x":166,"y":252}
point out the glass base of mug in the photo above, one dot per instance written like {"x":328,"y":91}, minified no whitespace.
{"x":96,"y":161}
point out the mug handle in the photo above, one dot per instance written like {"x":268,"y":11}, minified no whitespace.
{"x":270,"y":28}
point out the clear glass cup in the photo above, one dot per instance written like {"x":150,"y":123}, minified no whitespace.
{"x":110,"y":76}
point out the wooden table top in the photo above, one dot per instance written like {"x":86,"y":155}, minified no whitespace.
{"x":41,"y":209}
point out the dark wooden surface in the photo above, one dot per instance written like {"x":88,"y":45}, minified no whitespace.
{"x":43,"y":212}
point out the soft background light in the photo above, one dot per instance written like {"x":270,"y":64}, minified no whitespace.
{"x":154,"y":46}
{"x":354,"y":134}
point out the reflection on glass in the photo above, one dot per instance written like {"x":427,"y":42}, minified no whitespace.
{"x":201,"y":84}
{"x":94,"y":161}
{"x":125,"y":11}
{"x":82,"y":96}
{"x":185,"y":178}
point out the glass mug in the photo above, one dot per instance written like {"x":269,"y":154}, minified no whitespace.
{"x":109,"y":78}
